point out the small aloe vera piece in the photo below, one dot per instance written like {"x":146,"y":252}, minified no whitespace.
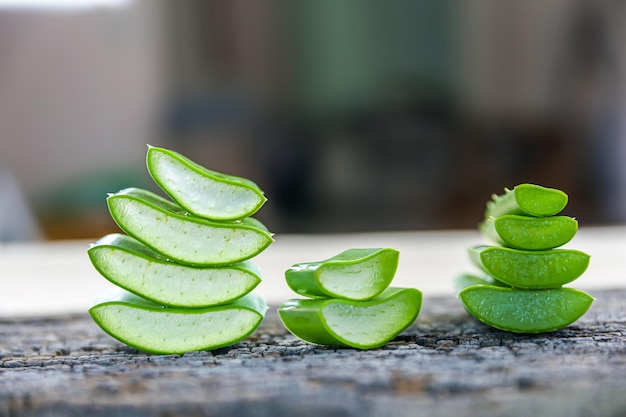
{"x":355,"y":274}
{"x":356,"y":324}
{"x":153,"y":328}
{"x":467,"y":280}
{"x":530,"y":269}
{"x":128,"y":263}
{"x":523,"y":311}
{"x":186,"y":239}
{"x":201,"y":191}
{"x":527,"y":199}
{"x":530,"y":233}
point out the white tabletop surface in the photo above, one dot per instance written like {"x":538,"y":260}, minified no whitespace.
{"x":57,"y":277}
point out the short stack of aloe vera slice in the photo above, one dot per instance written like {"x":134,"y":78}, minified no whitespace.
{"x":521,"y":288}
{"x":350,"y":303}
{"x":182,"y":270}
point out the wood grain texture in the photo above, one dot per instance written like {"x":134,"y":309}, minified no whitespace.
{"x":445,"y":364}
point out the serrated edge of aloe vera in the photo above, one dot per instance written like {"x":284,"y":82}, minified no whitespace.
{"x":514,"y":207}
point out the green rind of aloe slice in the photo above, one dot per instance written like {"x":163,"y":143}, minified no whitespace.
{"x":355,"y":274}
{"x":152,"y":328}
{"x":201,"y":191}
{"x":529,"y":233}
{"x":463,"y":281}
{"x":357,"y":324}
{"x":128,"y":263}
{"x":527,"y":199}
{"x":169,"y":230}
{"x":530,"y":269}
{"x":525,"y":311}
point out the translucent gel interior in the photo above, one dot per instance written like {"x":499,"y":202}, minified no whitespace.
{"x":366,"y":325}
{"x":185,"y":239}
{"x":202,"y":194}
{"x":163,"y":331}
{"x":358,"y":281}
{"x":171,"y":283}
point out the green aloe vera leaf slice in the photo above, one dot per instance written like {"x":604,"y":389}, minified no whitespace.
{"x":357,"y":324}
{"x":527,"y":199}
{"x":153,"y":328}
{"x":201,"y":191}
{"x":354,"y":274}
{"x":184,"y":238}
{"x":525,"y":311}
{"x":130,"y":264}
{"x":530,"y":269}
{"x":467,"y":280}
{"x":530,"y":233}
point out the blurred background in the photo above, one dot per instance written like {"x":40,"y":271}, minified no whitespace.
{"x":353,"y":115}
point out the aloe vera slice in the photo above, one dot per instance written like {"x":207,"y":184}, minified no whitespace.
{"x":355,"y":274}
{"x":527,"y":199}
{"x":357,"y":324}
{"x":152,"y":328}
{"x":128,"y":263}
{"x":530,"y":269}
{"x":530,"y":233}
{"x":525,"y":311}
{"x":201,"y":191}
{"x":187,"y":239}
{"x":467,"y":280}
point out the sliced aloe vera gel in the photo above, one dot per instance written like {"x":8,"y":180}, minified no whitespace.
{"x":522,"y":291}
{"x":201,"y":191}
{"x":529,"y":233}
{"x":352,"y":304}
{"x":182,"y":270}
{"x":527,"y":199}
{"x":530,"y":270}
{"x":355,"y":274}
{"x":153,"y":328}
{"x":129,"y":264}
{"x":161,"y":225}
{"x":525,"y":311}
{"x":357,"y":324}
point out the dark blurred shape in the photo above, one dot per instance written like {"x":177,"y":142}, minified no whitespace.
{"x":365,"y":115}
{"x":17,"y":223}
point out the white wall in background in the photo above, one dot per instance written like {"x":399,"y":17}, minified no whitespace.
{"x":79,"y":90}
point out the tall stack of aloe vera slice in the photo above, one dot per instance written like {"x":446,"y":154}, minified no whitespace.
{"x":524,"y":273}
{"x":182,"y":271}
{"x":349,"y":303}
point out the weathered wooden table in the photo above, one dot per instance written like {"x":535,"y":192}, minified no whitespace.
{"x":54,"y":361}
{"x":445,"y":364}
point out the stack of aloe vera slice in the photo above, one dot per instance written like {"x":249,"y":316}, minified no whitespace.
{"x":350,"y":303}
{"x":521,"y":289}
{"x":182,"y":271}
